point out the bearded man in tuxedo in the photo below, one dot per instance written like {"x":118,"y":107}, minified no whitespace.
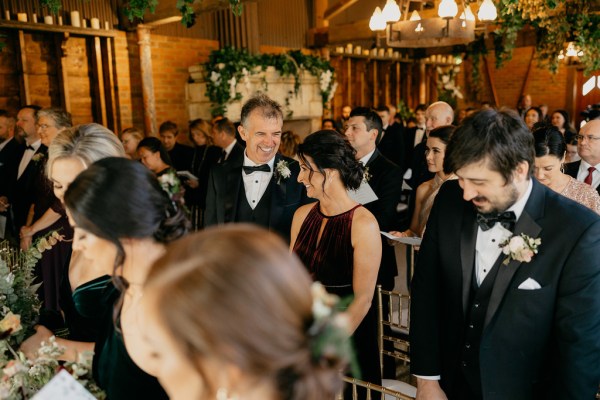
{"x":261,"y":187}
{"x":519,"y":325}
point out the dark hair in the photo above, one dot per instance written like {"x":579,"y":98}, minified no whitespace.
{"x":226,"y":126}
{"x":327,"y":120}
{"x":289,"y":144}
{"x":549,"y":141}
{"x":270,"y":108}
{"x":247,"y":273}
{"x":155,"y":145}
{"x":118,"y":198}
{"x":372,"y":119}
{"x":444,"y":133}
{"x":537,"y":110}
{"x":168,"y":126}
{"x":383,"y":107}
{"x":331,"y":149}
{"x":421,"y":107}
{"x":565,"y":114}
{"x":499,"y":137}
{"x":33,"y":107}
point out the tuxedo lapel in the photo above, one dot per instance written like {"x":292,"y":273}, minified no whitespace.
{"x":526,"y":225}
{"x":278,"y":194}
{"x":233,"y":187}
{"x":467,"y":252}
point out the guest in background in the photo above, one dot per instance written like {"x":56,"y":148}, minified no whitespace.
{"x":122,"y":220}
{"x":289,"y":144}
{"x":51,"y":267}
{"x":267,"y":347}
{"x":533,"y":116}
{"x":588,"y":147}
{"x":338,"y":240}
{"x":545,"y":117}
{"x":435,"y":151}
{"x":328,"y":124}
{"x":525,"y":104}
{"x":572,"y":154}
{"x":223,"y":136}
{"x":414,"y":135}
{"x":131,"y":138}
{"x":561,"y":120}
{"x":550,"y":152}
{"x":391,"y":139}
{"x":10,"y":157}
{"x":205,"y":156}
{"x":83,"y":282}
{"x":341,"y":122}
{"x":179,"y":154}
{"x":154,"y":156}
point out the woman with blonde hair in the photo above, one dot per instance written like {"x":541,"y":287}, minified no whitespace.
{"x":256,"y":336}
{"x":131,"y":137}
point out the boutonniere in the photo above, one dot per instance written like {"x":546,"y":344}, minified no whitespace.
{"x":283,"y":171}
{"x":366,"y":175}
{"x":521,"y":248}
{"x":37,"y":157}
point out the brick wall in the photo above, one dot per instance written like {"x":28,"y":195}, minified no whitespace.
{"x":543,"y":86}
{"x":171,"y":58}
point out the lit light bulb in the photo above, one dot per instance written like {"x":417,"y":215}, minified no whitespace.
{"x":487,"y":11}
{"x":468,"y":14}
{"x":415,"y":16}
{"x":571,"y":51}
{"x":377,"y":23}
{"x":391,"y":11}
{"x":447,"y":9}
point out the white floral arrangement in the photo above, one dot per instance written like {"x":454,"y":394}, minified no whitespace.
{"x":521,"y":248}
{"x":283,"y":171}
{"x":366,"y":175}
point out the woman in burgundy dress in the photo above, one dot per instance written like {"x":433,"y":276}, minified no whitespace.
{"x":338,"y":240}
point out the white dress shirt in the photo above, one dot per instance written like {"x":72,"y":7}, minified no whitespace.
{"x":228,"y":149}
{"x":583,"y":173}
{"x":367,"y":157}
{"x":487,"y":247}
{"x":256,"y":183}
{"x":27,"y":156}
{"x":419,"y":132}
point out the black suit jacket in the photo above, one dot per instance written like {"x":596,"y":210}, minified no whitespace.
{"x":572,"y":169}
{"x":535,"y":344}
{"x":386,"y":182}
{"x":236,"y":156}
{"x":226,"y":185}
{"x":27,"y":187}
{"x":10,"y":158}
{"x":181,"y":157}
{"x":391,"y":145}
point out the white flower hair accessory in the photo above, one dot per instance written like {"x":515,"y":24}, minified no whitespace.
{"x":521,"y":248}
{"x":283,"y":170}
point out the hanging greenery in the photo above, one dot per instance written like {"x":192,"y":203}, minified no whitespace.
{"x":229,"y":66}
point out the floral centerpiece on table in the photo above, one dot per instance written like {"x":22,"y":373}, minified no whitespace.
{"x":21,"y":378}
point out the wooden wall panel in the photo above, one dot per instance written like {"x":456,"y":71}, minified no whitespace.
{"x":9,"y":77}
{"x":78,"y":75}
{"x":286,"y":27}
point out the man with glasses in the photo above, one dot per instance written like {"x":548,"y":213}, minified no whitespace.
{"x":588,"y":145}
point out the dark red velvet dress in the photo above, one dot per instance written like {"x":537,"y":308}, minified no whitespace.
{"x":331,"y":262}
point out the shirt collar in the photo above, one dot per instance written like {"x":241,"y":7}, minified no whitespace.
{"x":230,"y":147}
{"x":585,"y":165}
{"x":36,"y":145}
{"x":364,"y":160}
{"x":249,"y":163}
{"x":519,"y":205}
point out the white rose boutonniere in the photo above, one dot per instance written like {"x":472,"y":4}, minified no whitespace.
{"x":521,"y":248}
{"x":366,"y":175}
{"x":37,"y":157}
{"x":283,"y":170}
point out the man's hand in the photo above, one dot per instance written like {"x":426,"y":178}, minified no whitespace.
{"x":192,"y":183}
{"x":4,"y":203}
{"x":429,"y":390}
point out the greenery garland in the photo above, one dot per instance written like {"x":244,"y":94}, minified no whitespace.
{"x":229,"y":66}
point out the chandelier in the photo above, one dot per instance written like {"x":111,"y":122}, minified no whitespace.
{"x":444,"y":30}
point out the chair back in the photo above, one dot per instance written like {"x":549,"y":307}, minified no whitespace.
{"x":370,"y":388}
{"x":397,"y":318}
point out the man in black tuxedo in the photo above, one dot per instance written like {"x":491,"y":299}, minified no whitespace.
{"x":262,"y":186}
{"x":223,"y":135}
{"x":180,"y":155}
{"x":588,"y":146}
{"x":29,"y":171}
{"x":490,"y":325}
{"x":390,"y":142}
{"x":415,"y":135}
{"x":10,"y":156}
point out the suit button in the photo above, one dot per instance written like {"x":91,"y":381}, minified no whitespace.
{"x":468,"y":345}
{"x":464,"y":363}
{"x":476,"y":305}
{"x":470,"y":326}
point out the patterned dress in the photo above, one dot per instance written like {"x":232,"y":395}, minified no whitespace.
{"x":583,"y":194}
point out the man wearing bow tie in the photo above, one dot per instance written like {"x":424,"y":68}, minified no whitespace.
{"x":261,"y":187}
{"x":516,"y":324}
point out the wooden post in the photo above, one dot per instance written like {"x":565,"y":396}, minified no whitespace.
{"x":320,"y":6}
{"x":491,"y":79}
{"x":98,"y":77}
{"x":147,"y":80}
{"x":422,"y":83}
{"x":24,"y":72}
{"x":349,"y":86}
{"x":398,"y":78}
{"x":107,"y":60}
{"x":375,"y":83}
{"x":63,"y":79}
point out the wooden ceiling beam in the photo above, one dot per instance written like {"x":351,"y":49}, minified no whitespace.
{"x":338,"y":7}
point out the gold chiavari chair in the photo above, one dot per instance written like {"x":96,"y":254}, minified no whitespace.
{"x":386,"y":394}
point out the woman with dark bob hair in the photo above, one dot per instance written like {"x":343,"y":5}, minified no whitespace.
{"x":122,"y":219}
{"x":337,"y":239}
{"x":550,"y":150}
{"x":230,"y":315}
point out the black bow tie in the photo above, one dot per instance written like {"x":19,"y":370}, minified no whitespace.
{"x":261,"y":168}
{"x":29,"y":147}
{"x":487,"y":221}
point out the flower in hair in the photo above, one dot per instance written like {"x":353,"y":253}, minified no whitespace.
{"x":283,"y":170}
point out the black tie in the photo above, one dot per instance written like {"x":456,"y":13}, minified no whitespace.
{"x":261,"y":168}
{"x":29,"y":147}
{"x":223,"y":157}
{"x":487,"y":221}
